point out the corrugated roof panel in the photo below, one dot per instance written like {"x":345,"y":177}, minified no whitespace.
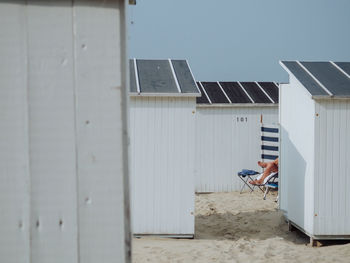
{"x":202,"y":99}
{"x":214,"y":92}
{"x":155,"y":76}
{"x":330,"y":77}
{"x":235,"y":92}
{"x":255,"y":92}
{"x":344,"y":66}
{"x":271,"y":89}
{"x":133,"y":87}
{"x":308,"y":82}
{"x":184,"y":76}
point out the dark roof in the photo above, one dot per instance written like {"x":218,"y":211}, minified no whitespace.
{"x":321,"y":79}
{"x":203,"y":98}
{"x":162,"y":77}
{"x":238,"y":92}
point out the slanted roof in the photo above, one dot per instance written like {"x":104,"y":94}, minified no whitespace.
{"x":228,"y":93}
{"x":321,"y":79}
{"x":161,"y":78}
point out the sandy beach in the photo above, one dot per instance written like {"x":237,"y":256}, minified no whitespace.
{"x":233,"y":227}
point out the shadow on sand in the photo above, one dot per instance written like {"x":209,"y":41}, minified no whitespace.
{"x":257,"y":225}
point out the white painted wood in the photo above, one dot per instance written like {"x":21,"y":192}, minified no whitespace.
{"x":332,"y":196}
{"x":162,"y":165}
{"x":282,"y":185}
{"x":315,"y":149}
{"x":297,"y":154}
{"x":227,"y":141}
{"x":14,"y":164}
{"x":52,"y":133}
{"x":101,"y":130}
{"x":63,"y":118}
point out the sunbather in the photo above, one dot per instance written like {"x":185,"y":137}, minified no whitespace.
{"x":270,"y":167}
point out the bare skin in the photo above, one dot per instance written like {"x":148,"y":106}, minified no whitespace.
{"x":270,"y":167}
{"x":262,"y":164}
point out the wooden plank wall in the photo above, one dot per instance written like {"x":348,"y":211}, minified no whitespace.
{"x":162,"y":131}
{"x":332,"y":168}
{"x":227,"y":141}
{"x":63,"y":123}
{"x":14,"y":162}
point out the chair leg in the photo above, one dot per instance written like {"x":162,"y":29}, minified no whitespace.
{"x":245,"y":181}
{"x":266,"y":192}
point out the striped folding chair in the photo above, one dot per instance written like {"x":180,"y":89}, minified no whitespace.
{"x":269,"y":152}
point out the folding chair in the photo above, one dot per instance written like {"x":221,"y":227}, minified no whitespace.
{"x":248,"y":175}
{"x":270,"y":182}
{"x":269,"y":151}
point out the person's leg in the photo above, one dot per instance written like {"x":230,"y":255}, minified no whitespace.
{"x":270,"y":168}
{"x":262,"y":164}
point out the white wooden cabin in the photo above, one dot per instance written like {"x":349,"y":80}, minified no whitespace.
{"x":228,"y":131}
{"x":315,"y":148}
{"x":63,"y":133}
{"x":162,"y":138}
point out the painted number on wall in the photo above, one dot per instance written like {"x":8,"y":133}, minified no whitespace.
{"x":241,"y":119}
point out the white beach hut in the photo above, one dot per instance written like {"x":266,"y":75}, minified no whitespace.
{"x":315,"y":148}
{"x":162,"y":137}
{"x":228,"y":131}
{"x":63,"y":165}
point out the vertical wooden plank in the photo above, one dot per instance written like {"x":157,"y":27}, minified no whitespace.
{"x":336,"y":165}
{"x":347,"y":169}
{"x":154,"y":177}
{"x":132,"y":152}
{"x":156,"y":164}
{"x":176,"y":158}
{"x":328,"y":183}
{"x":335,"y":161}
{"x":187,"y":220}
{"x":321,"y":183}
{"x":317,"y":164}
{"x":341,"y":179}
{"x":52,"y":132}
{"x":100,"y":69}
{"x":14,"y":168}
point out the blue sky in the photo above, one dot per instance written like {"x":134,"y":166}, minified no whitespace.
{"x":240,"y":40}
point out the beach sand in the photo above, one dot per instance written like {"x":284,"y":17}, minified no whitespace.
{"x":233,"y":227}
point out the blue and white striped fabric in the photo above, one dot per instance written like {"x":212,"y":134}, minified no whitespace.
{"x":269,"y":142}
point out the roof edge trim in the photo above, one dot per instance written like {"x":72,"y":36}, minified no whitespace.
{"x":188,"y":65}
{"x":239,"y":83}
{"x":137,"y":77}
{"x":205,"y":92}
{"x":340,"y":69}
{"x":150,"y":94}
{"x":174,"y":76}
{"x":291,"y":74}
{"x":236,"y":105}
{"x":267,"y":95}
{"x":312,"y":76}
